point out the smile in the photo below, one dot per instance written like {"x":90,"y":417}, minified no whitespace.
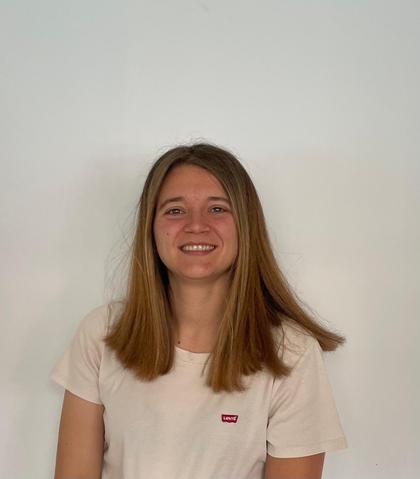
{"x":198,"y":247}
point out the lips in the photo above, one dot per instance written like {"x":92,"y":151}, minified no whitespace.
{"x":197,"y":248}
{"x":197,"y":244}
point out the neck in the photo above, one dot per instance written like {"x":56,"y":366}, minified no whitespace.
{"x":198,"y":308}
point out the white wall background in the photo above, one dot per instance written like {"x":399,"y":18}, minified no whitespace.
{"x":320,"y":100}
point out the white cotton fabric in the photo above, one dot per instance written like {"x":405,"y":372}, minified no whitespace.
{"x":173,"y":428}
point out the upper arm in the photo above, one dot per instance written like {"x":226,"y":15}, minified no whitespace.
{"x":308,"y":467}
{"x":81,"y":439}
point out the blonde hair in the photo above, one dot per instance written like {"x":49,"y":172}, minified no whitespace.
{"x":258,"y":301}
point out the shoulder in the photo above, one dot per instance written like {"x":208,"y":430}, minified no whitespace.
{"x":97,"y":321}
{"x":293,"y":341}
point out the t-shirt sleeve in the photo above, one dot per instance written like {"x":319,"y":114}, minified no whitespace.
{"x":78,"y":368}
{"x":303,"y":418}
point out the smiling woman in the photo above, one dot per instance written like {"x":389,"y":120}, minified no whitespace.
{"x":209,"y":350}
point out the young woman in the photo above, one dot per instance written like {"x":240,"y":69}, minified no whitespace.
{"x":208,"y":368}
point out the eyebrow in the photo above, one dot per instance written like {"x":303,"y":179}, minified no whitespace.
{"x":182,"y":198}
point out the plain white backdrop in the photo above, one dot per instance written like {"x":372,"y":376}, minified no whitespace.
{"x":319,"y":100}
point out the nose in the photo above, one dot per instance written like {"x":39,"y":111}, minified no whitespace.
{"x":196,"y":222}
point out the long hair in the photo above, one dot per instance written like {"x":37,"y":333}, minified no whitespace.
{"x":258,"y":301}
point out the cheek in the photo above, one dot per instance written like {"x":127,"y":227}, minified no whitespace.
{"x":227,"y":230}
{"x":163,"y":232}
{"x":231,"y":230}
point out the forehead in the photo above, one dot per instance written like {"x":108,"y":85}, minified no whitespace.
{"x":190,"y":178}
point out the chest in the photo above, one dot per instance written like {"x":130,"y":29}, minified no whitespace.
{"x":179,"y":406}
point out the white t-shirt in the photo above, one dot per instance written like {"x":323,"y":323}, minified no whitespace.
{"x":177,"y":427}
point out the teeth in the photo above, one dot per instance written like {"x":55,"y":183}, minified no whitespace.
{"x":198,"y":247}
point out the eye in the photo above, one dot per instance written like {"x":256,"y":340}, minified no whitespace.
{"x":172,"y":209}
{"x":218,"y":208}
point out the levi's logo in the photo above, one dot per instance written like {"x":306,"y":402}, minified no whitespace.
{"x":229,"y":417}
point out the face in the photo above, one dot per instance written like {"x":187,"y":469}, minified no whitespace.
{"x":194,"y":209}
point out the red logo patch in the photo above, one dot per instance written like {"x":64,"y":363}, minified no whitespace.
{"x":229,"y":417}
